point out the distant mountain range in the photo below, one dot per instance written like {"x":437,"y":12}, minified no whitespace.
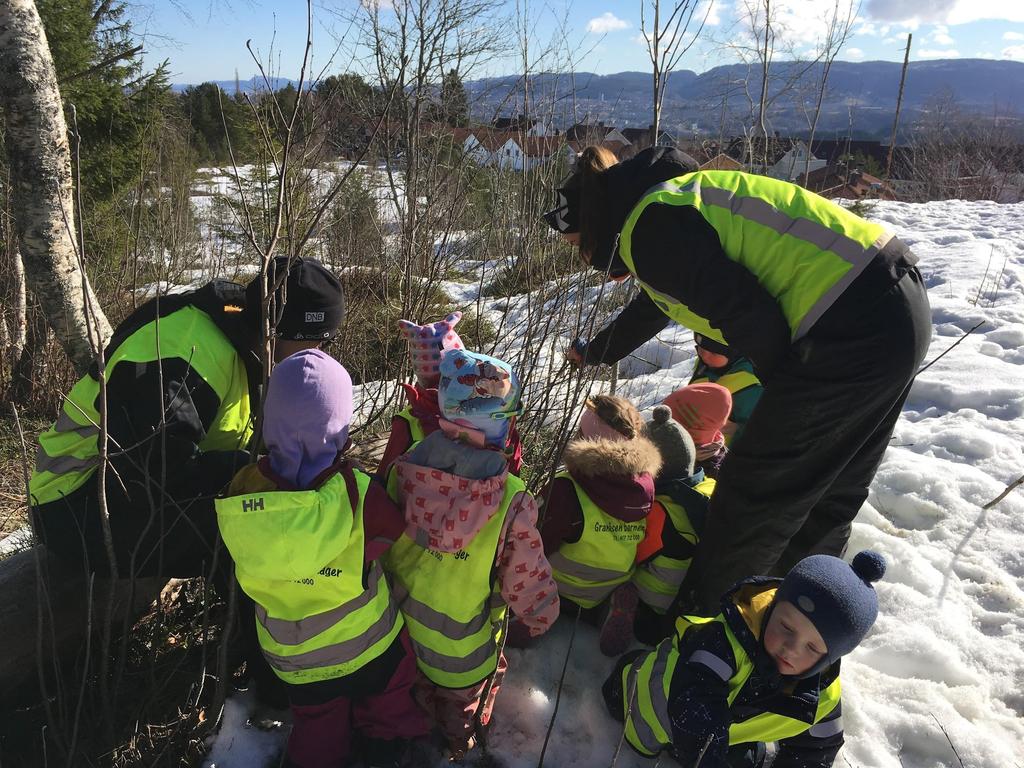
{"x":253,"y":84}
{"x":861,"y":94}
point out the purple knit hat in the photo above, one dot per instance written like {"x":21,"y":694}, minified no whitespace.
{"x":306,"y":415}
{"x":427,"y":343}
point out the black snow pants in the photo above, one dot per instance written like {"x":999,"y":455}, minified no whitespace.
{"x":795,"y":479}
{"x":166,"y":528}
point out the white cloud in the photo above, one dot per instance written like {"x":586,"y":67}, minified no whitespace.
{"x":714,"y":13}
{"x":606,"y":22}
{"x":944,"y":11}
{"x":796,"y":23}
{"x":1013,"y":36}
{"x":930,"y":53}
{"x":1014,"y":52}
{"x":940,"y":36}
{"x":854,"y":53}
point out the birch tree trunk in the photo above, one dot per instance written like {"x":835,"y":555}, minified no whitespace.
{"x":41,"y":189}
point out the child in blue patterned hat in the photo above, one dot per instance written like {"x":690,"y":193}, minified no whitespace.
{"x":471,"y":549}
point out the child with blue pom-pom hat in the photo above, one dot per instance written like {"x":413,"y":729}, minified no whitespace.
{"x":765,"y":669}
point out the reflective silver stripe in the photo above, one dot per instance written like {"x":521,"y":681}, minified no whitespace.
{"x":652,"y":598}
{"x":338,"y":653}
{"x":436,"y":620}
{"x":827,"y":728}
{"x":496,"y":601}
{"x":849,"y":250}
{"x":66,"y":424}
{"x":668,"y":574}
{"x":828,"y":298}
{"x":658,"y":701}
{"x":712,"y":662}
{"x":60,"y":465}
{"x":764,"y":213}
{"x":288,"y":632}
{"x":597,"y":593}
{"x":644,"y":732}
{"x":581,"y":571}
{"x":456,"y":664}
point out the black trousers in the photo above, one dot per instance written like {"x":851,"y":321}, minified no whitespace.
{"x":795,"y":479}
{"x":160,"y":526}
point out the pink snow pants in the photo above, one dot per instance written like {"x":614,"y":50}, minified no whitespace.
{"x":321,"y":734}
{"x":454,"y":709}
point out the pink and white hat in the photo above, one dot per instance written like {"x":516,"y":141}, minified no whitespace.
{"x":427,"y":343}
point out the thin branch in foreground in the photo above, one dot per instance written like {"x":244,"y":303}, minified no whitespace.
{"x":950,"y":348}
{"x":951,"y":745}
{"x":1015,"y":484}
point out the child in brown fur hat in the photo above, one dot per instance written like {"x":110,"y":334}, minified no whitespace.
{"x":596,"y":508}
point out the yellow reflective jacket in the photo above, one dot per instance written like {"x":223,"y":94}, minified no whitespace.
{"x":812,"y":707}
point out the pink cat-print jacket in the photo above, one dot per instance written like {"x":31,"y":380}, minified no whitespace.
{"x":450,"y":510}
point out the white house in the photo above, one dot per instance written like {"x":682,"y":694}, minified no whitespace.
{"x":792,"y":164}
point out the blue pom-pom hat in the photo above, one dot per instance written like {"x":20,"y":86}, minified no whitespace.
{"x":836,"y":597}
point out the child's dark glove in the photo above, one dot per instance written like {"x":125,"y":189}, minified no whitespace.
{"x":518,"y":635}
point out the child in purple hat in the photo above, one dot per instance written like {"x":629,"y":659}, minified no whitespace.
{"x":307,"y":530}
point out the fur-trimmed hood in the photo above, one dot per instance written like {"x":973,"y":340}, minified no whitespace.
{"x":591,"y":458}
{"x":618,"y":475}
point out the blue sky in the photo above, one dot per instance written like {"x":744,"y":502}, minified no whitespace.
{"x":205,"y":39}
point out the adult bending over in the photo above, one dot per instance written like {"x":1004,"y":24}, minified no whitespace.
{"x":828,"y":306}
{"x":182,"y":390}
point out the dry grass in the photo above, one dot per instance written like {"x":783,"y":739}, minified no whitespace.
{"x":13,"y":509}
{"x":161,"y":716}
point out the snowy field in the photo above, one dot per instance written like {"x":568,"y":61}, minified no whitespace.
{"x":947,"y":652}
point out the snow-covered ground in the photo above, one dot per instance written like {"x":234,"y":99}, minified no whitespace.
{"x":947,"y":653}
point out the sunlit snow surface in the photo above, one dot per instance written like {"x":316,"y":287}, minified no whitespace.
{"x":948,"y":647}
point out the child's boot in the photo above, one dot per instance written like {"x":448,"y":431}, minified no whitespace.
{"x":617,"y":629}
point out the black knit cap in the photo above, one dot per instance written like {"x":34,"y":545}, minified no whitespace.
{"x":711,"y":345}
{"x":308,"y":305}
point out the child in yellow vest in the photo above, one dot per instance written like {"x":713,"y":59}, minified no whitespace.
{"x":718,"y":364}
{"x":673,"y":527}
{"x":470,"y":550}
{"x":765,"y":669}
{"x":595,"y":514}
{"x":306,"y":530}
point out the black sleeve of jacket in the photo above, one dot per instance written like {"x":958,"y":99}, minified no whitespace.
{"x":815,"y":748}
{"x":638,"y":322}
{"x":674,"y":544}
{"x":678,"y":252}
{"x":159,"y":436}
{"x":698,"y":703}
